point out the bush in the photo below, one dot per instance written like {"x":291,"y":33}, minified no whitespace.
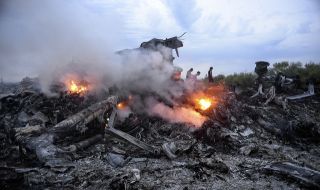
{"x":243,"y":80}
{"x":307,"y":71}
{"x":312,"y":70}
{"x":219,"y":78}
{"x":281,"y":67}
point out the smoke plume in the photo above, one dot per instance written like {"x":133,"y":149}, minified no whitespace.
{"x":56,"y":39}
{"x":179,"y":114}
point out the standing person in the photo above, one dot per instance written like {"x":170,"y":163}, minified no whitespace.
{"x":198,"y":74}
{"x":194,"y":77}
{"x":189,"y":73}
{"x":191,"y":82}
{"x":210,"y":75}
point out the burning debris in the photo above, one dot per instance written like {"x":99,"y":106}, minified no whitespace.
{"x":132,"y":136}
{"x":77,"y":88}
{"x":204,"y":103}
{"x":178,"y":114}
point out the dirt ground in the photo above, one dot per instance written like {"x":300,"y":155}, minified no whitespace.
{"x":243,"y":145}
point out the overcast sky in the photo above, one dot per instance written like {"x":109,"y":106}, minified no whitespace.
{"x":229,"y":35}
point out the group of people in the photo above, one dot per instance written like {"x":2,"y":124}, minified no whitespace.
{"x":194,"y":77}
{"x":191,"y":76}
{"x":192,"y":81}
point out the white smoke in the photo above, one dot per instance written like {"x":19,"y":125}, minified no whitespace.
{"x":40,"y":38}
{"x":176,"y":114}
{"x":52,"y":39}
{"x":49,"y":39}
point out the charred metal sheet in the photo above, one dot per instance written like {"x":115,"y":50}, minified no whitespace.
{"x":132,"y":140}
{"x":306,"y":175}
{"x":309,"y":93}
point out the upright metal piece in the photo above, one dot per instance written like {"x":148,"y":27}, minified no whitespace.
{"x":261,"y":69}
{"x":120,"y":134}
{"x":172,"y":43}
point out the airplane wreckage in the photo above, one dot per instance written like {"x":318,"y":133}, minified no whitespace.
{"x":77,"y":140}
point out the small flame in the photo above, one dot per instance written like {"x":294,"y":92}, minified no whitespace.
{"x":121,"y":105}
{"x":125,"y":103}
{"x":204,"y":104}
{"x":77,"y":88}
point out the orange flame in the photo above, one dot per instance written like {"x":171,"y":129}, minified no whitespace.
{"x":207,"y":97}
{"x":204,"y":103}
{"x":125,"y":103}
{"x":77,"y":88}
{"x":121,"y":105}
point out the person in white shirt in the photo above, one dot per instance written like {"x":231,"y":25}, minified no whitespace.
{"x":191,"y":81}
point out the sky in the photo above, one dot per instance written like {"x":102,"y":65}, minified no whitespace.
{"x":228,"y":35}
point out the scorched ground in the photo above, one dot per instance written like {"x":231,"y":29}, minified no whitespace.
{"x":240,"y":145}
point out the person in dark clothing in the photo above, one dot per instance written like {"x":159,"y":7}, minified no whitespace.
{"x":210,"y":75}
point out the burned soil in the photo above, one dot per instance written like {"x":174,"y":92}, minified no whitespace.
{"x":243,"y":144}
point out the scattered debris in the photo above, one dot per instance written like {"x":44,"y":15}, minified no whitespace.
{"x":309,"y":177}
{"x":309,"y":93}
{"x":73,"y":141}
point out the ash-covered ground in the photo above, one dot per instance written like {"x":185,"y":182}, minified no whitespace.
{"x":243,"y":144}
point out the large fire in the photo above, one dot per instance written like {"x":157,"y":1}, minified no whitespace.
{"x":77,"y":88}
{"x":195,"y":107}
{"x":204,"y":103}
{"x":207,"y":98}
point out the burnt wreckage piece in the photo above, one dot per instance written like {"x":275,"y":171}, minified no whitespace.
{"x":279,"y":83}
{"x":42,"y":142}
{"x":173,"y":43}
{"x":155,"y":44}
{"x":305,"y":175}
{"x":261,"y":69}
{"x":306,"y":94}
{"x":117,"y":133}
{"x":208,"y":157}
{"x":167,"y":148}
{"x":164,"y":47}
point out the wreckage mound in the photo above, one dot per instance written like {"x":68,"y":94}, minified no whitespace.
{"x":63,"y":142}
